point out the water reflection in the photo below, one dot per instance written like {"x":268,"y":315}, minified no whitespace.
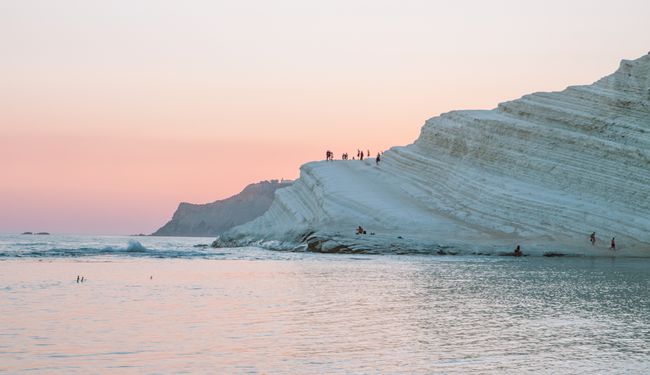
{"x":327,"y":314}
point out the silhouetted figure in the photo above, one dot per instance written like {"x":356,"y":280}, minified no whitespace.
{"x":150,"y":277}
{"x":613,"y":245}
{"x":377,"y":159}
{"x":361,"y":156}
{"x":77,"y":279}
{"x":360,"y":230}
{"x":82,"y":279}
{"x":518,"y":252}
{"x":592,"y":238}
{"x":368,"y":153}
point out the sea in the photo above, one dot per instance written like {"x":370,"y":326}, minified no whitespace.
{"x":159,"y":305}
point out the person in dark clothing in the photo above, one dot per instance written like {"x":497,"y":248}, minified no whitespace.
{"x":613,"y":245}
{"x":377,"y":159}
{"x":518,"y":252}
{"x":592,"y":238}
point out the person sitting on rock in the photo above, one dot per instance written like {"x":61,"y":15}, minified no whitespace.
{"x":360,"y":230}
{"x":518,"y":252}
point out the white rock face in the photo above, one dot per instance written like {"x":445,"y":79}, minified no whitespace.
{"x":543,"y":171}
{"x":212,"y":219}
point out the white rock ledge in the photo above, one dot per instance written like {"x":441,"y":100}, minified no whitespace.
{"x":543,"y":171}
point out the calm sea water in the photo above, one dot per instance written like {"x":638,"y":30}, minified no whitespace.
{"x":164,"y":306}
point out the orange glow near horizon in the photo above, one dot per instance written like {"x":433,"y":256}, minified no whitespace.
{"x":112,"y":113}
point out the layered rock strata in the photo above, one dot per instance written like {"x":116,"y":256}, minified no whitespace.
{"x":545,"y":170}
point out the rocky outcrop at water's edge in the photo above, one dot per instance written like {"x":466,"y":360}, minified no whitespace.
{"x":543,"y":171}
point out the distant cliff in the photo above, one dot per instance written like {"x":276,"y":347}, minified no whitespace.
{"x":212,"y":219}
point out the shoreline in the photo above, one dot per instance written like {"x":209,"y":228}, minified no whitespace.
{"x":335,"y":242}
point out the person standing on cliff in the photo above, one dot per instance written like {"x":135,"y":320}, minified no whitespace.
{"x":613,"y":246}
{"x":592,"y":238}
{"x":377,"y":159}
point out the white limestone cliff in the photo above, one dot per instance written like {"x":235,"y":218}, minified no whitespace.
{"x":543,"y":171}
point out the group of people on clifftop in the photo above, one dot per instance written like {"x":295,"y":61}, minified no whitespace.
{"x":329,"y":156}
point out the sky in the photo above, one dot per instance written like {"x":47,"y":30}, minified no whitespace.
{"x":113,"y":112}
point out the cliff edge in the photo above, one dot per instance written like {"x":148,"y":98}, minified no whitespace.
{"x":543,"y":171}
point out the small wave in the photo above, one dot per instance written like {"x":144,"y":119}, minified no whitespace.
{"x":135,"y":247}
{"x":132,"y":249}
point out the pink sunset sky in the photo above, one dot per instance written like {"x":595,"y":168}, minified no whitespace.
{"x":113,"y":112}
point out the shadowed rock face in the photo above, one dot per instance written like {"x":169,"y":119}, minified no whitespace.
{"x":211,"y":219}
{"x":548,"y":168}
